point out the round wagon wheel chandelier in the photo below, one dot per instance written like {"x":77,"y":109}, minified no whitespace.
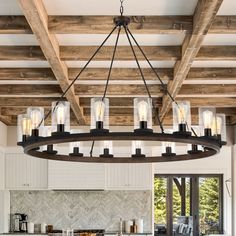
{"x":39,"y":140}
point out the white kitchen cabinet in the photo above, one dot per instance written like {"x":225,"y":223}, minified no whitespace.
{"x":128,"y":176}
{"x":25,"y":172}
{"x":72,"y":175}
{"x":2,"y":170}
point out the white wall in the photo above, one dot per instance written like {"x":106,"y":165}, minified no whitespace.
{"x":234,"y":189}
{"x":3,"y":136}
{"x":218,"y":164}
{"x":4,"y":211}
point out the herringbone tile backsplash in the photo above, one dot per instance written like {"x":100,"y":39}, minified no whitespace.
{"x":83,"y":209}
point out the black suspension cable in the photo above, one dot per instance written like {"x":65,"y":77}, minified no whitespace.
{"x":150,"y":64}
{"x":144,"y":81}
{"x":108,"y":78}
{"x":157,"y":75}
{"x":111,"y":65}
{"x":78,"y":75}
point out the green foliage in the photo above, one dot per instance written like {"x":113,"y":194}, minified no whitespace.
{"x":208,"y":201}
{"x":160,"y":200}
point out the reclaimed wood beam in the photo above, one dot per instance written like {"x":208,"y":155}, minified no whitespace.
{"x":118,"y":90}
{"x":102,"y":24}
{"x":26,"y":101}
{"x":37,"y":18}
{"x":7,"y":120}
{"x":203,"y":18}
{"x":210,"y":101}
{"x":30,"y":90}
{"x":124,"y":53}
{"x":205,"y":74}
{"x":223,"y":25}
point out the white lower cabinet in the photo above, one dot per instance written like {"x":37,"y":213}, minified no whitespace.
{"x":73,"y":175}
{"x":25,"y":172}
{"x":128,"y":176}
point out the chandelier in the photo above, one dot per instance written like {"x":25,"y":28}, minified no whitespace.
{"x":39,"y":140}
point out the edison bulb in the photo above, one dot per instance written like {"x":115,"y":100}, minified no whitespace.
{"x":217,"y":126}
{"x":60,"y":113}
{"x":207,"y":119}
{"x":99,"y":108}
{"x":35,"y":118}
{"x":26,"y":126}
{"x":142,"y":110}
{"x":182,"y":112}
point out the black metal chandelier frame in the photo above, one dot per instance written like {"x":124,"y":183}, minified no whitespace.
{"x":210,"y":144}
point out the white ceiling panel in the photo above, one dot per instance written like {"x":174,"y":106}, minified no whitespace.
{"x":214,"y":64}
{"x":220,"y":39}
{"x":23,"y":64}
{"x":10,"y":7}
{"x":108,"y":7}
{"x":120,"y":64}
{"x":18,"y":39}
{"x":228,"y":7}
{"x":97,"y":39}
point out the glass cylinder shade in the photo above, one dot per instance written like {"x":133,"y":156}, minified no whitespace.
{"x":61,"y":116}
{"x":138,"y":148}
{"x":219,"y":127}
{"x":106,"y":148}
{"x":181,"y":116}
{"x":108,"y":145}
{"x":99,"y":113}
{"x":168,"y":148}
{"x":76,"y":148}
{"x":206,"y":119}
{"x":142,"y":113}
{"x":36,"y":115}
{"x":23,"y":127}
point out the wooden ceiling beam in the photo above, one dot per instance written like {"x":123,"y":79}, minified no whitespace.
{"x":30,"y":90}
{"x":71,"y":53}
{"x":223,"y":25}
{"x":83,"y":53}
{"x":120,"y":73}
{"x":93,"y":74}
{"x":120,"y":91}
{"x":40,"y":74}
{"x":7,"y":120}
{"x":14,"y":25}
{"x":227,"y":90}
{"x":26,"y":101}
{"x":117,"y":102}
{"x":37,"y":18}
{"x":103,"y":24}
{"x":212,"y":101}
{"x":203,"y":18}
{"x":207,"y":73}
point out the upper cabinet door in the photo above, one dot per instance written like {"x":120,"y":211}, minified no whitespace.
{"x":24,"y":172}
{"x":128,"y":176}
{"x":72,"y":175}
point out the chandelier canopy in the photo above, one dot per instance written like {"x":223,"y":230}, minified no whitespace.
{"x":39,"y":140}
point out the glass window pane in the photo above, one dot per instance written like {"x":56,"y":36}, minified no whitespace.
{"x":209,"y":206}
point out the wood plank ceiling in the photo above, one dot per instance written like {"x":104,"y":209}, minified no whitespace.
{"x":39,"y":57}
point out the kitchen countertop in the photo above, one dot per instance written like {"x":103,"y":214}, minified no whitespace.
{"x":115,"y":232}
{"x":106,"y":233}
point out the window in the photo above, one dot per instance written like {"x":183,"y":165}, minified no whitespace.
{"x":189,"y":205}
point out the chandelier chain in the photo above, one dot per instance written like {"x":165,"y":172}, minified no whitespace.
{"x":121,"y":7}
